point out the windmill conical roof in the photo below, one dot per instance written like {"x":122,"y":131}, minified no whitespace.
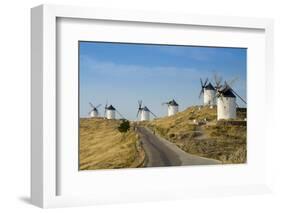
{"x":228,"y":93}
{"x":173,"y":103}
{"x":110,"y":107}
{"x":209,"y":86}
{"x":145,"y":109}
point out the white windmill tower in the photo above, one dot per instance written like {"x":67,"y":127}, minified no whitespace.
{"x":226,"y":102}
{"x":209,"y":93}
{"x":173,"y":107}
{"x":94,"y":112}
{"x":144,"y":112}
{"x":110,"y":112}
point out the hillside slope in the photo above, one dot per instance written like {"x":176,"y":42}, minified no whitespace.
{"x":196,"y":131}
{"x":102,"y":146}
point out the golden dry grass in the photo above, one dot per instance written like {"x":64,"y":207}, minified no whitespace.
{"x":224,"y":140}
{"x":102,"y":146}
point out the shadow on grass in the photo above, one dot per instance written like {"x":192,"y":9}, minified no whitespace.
{"x":26,"y":199}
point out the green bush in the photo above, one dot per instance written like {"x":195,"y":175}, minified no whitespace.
{"x":124,"y":126}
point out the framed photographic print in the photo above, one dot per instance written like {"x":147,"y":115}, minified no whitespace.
{"x":130,"y":106}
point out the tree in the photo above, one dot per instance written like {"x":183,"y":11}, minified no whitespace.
{"x":124,"y":126}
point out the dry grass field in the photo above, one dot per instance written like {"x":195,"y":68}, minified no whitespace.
{"x":102,"y":146}
{"x":197,"y":132}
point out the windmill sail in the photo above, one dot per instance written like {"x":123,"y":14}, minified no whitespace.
{"x":139,"y":108}
{"x":239,"y":97}
{"x":218,"y":81}
{"x":120,"y":114}
{"x":153,"y":114}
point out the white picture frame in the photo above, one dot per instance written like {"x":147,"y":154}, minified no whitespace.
{"x":44,"y":153}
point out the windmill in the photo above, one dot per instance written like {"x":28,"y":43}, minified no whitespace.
{"x":144,"y":112}
{"x":226,"y":101}
{"x":110,"y":112}
{"x":173,"y":107}
{"x":94,"y":112}
{"x":208,"y":91}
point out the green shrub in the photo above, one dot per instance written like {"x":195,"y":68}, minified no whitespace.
{"x":124,"y":126}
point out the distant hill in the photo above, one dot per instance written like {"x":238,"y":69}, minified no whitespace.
{"x":196,"y":131}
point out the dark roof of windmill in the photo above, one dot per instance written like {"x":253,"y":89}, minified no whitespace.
{"x":95,"y":109}
{"x":228,"y":93}
{"x":145,"y":109}
{"x":110,"y":107}
{"x":173,"y":103}
{"x":209,"y":86}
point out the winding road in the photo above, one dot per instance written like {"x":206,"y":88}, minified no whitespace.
{"x":160,"y":152}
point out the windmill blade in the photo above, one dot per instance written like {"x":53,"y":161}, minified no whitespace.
{"x":139,"y":109}
{"x":225,"y":86}
{"x":138,"y":113}
{"x":98,"y":106}
{"x":165,"y":103}
{"x":201,"y":82}
{"x":120,"y":114}
{"x":206,"y":81}
{"x":201,"y":92}
{"x":91,"y":105}
{"x":218,"y":80}
{"x":140,"y":103}
{"x":230,"y":83}
{"x":153,"y":114}
{"x":89,"y":112}
{"x":239,"y":96}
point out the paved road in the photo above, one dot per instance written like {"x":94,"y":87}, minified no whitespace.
{"x":161,"y":152}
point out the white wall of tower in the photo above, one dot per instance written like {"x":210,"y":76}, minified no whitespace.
{"x":144,"y":115}
{"x":110,"y":114}
{"x":94,"y":114}
{"x":226,"y":108}
{"x":172,"y":110}
{"x":209,"y":97}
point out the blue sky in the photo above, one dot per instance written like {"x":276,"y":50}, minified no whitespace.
{"x":126,"y":73}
